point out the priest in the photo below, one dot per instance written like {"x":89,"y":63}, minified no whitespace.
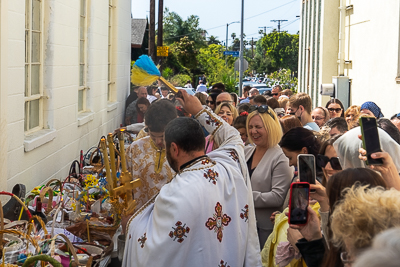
{"x":205,"y":215}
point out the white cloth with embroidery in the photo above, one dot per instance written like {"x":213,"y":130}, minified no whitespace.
{"x":204,"y":216}
{"x":147,"y":162}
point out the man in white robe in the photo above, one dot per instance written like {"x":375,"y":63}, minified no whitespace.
{"x":205,"y":215}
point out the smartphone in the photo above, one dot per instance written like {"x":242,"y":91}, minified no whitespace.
{"x":306,"y":168}
{"x":299,"y":196}
{"x":370,"y":139}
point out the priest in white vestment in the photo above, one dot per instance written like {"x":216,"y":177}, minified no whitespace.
{"x":205,"y":215}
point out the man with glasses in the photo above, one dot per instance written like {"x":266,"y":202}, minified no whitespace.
{"x":300,"y":106}
{"x":225,"y":97}
{"x":276,"y":91}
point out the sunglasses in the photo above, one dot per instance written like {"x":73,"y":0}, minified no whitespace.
{"x":337,"y":110}
{"x":261,"y":109}
{"x":323,"y":160}
{"x":210,"y":102}
{"x":275,"y":94}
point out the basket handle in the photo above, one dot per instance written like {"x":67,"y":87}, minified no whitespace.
{"x":26,"y":236}
{"x":41,"y":258}
{"x":19,"y":200}
{"x":42,"y":196}
{"x":59,"y":209}
{"x":70,"y":247}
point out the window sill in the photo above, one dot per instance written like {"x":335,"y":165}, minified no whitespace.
{"x":112,"y":106}
{"x":38,"y":138}
{"x":85,"y":117}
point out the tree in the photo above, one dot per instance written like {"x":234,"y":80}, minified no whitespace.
{"x":187,"y":53}
{"x":233,"y":35}
{"x":283,"y":49}
{"x":213,"y":40}
{"x":175,"y":28}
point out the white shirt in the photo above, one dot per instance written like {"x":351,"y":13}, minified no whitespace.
{"x":201,"y":88}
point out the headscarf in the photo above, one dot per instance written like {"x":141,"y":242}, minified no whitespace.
{"x":371,"y":106}
{"x":348,"y":144}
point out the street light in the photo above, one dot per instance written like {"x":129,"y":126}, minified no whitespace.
{"x":227,"y":25}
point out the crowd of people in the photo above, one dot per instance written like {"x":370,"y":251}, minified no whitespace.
{"x":351,"y":206}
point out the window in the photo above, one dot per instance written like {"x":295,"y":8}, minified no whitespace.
{"x":82,"y":57}
{"x":33,"y":65}
{"x":110,"y":46}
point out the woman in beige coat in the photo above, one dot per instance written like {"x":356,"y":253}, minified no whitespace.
{"x":268,"y":167}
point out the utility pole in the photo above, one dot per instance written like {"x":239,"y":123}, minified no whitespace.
{"x":152,"y":30}
{"x":265,"y":29}
{"x":160,"y":24}
{"x":279,"y":23}
{"x":252,"y":51}
{"x":241,"y":65}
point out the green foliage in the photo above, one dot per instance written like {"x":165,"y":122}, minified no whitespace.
{"x":180,"y":79}
{"x":229,"y":81}
{"x":186,"y":52}
{"x":261,"y":64}
{"x":212,"y":62}
{"x":282,"y":48}
{"x":175,"y":28}
{"x":213,"y":40}
{"x":167,"y":73}
{"x":285,"y":78}
{"x":132,"y":63}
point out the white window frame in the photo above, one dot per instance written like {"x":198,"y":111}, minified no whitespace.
{"x":110,"y":86}
{"x":28,"y":96}
{"x":83,"y":88}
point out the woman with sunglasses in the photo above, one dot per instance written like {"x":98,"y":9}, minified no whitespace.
{"x":212,"y":99}
{"x":335,"y":108}
{"x":328,"y":160}
{"x":268,"y":167}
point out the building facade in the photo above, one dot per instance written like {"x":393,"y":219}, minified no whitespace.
{"x":64,"y":78}
{"x":357,"y":39}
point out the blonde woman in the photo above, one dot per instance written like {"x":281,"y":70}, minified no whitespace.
{"x":228,"y":113}
{"x":268,"y":167}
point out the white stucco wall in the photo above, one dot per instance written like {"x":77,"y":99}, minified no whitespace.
{"x":69,"y":131}
{"x":372,"y":46}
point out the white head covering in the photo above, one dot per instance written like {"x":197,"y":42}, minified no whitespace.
{"x":347,"y":147}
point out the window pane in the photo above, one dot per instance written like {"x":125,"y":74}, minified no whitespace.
{"x":26,"y":116}
{"x":27,"y":46}
{"x":83,"y":7}
{"x":81,"y":73}
{"x":80,"y":100}
{"x":82,"y":28}
{"x":27,"y":14}
{"x":34,"y":113}
{"x":35,"y":47}
{"x":26,"y":80}
{"x":35,"y":74}
{"x":82,"y":52}
{"x":36,"y":15}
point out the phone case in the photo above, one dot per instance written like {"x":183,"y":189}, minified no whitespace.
{"x":363,"y":142}
{"x":290,"y":201}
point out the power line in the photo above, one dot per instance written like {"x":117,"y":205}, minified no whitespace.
{"x":283,"y":26}
{"x":225,"y":24}
{"x":269,"y":10}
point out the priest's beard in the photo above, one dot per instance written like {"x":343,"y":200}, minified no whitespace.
{"x":173,"y":163}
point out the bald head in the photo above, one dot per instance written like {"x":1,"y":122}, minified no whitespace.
{"x":225,"y":97}
{"x":254,"y":92}
{"x":142,"y":92}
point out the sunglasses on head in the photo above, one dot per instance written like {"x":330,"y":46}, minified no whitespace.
{"x":337,"y":110}
{"x":323,"y":160}
{"x":261,"y":109}
{"x":210,"y":102}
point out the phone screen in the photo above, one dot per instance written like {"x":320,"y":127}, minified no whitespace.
{"x":299,"y":195}
{"x":371,"y":138}
{"x":306,"y":168}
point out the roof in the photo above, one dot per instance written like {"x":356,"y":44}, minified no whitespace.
{"x":138,"y":29}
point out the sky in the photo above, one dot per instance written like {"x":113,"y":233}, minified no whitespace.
{"x":215,"y":14}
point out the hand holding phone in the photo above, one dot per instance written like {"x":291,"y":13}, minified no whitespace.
{"x":370,"y":139}
{"x":299,"y":197}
